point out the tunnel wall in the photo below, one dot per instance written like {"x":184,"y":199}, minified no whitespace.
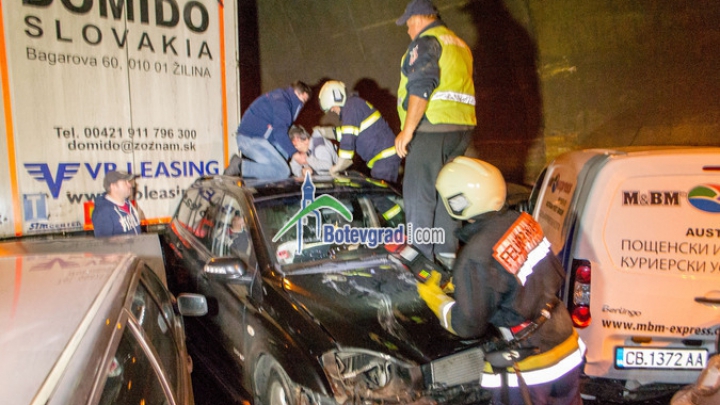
{"x":550,"y":76}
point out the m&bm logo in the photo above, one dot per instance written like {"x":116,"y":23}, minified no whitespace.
{"x":652,"y":198}
{"x":704,"y":197}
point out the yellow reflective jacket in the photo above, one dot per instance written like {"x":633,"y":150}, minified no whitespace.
{"x":453,"y":101}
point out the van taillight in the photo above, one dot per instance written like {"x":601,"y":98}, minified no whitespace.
{"x":581,"y":316}
{"x":580,"y":312}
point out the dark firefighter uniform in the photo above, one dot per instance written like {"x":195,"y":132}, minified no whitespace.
{"x":505,"y":275}
{"x":364,"y":131}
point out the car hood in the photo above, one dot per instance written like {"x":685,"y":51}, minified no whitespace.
{"x":373,"y":305}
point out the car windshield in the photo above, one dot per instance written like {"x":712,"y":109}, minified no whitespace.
{"x":332,"y":226}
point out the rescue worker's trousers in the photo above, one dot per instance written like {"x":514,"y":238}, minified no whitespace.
{"x":428,"y":153}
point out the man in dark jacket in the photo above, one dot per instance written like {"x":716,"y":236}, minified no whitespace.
{"x":262,"y":135}
{"x":114,"y":214}
{"x":506,"y":277}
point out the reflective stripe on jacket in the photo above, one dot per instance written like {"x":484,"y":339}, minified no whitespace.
{"x":364,"y":131}
{"x":494,"y":287}
{"x":542,"y":368}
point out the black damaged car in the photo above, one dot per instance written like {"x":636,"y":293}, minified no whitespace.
{"x":329,"y":317}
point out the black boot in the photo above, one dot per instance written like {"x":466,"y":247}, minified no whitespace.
{"x":235,"y":166}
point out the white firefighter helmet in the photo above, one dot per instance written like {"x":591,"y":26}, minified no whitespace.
{"x":332,"y":94}
{"x":470,"y":187}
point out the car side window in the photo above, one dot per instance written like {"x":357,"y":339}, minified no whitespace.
{"x":389,"y":210}
{"x":532,"y":200}
{"x":158,"y":328}
{"x":186,"y":208}
{"x":205,"y":208}
{"x":232,"y":235}
{"x":131,"y":378}
{"x":165,"y":299}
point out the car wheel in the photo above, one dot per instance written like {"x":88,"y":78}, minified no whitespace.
{"x":274,"y":386}
{"x":276,"y":392}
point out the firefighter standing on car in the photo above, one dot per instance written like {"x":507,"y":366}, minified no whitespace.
{"x":506,"y":276}
{"x":364,"y":130}
{"x":436,"y":107}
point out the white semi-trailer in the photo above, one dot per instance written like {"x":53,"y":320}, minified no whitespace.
{"x":89,"y":86}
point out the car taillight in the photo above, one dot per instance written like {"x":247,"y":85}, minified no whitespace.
{"x":580,"y":312}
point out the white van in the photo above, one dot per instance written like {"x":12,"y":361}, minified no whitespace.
{"x":638,"y":232}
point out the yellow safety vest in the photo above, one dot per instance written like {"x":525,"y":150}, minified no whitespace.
{"x":453,"y":101}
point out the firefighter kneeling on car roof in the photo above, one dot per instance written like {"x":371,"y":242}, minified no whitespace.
{"x":506,"y":277}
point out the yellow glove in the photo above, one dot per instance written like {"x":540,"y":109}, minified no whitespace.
{"x":436,"y":299}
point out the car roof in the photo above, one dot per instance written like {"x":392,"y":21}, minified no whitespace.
{"x":262,"y":189}
{"x":49,"y":303}
{"x":146,"y":246}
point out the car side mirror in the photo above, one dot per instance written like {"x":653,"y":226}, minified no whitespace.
{"x":228,"y":269}
{"x":192,"y":304}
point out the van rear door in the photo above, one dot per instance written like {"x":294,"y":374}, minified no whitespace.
{"x":650,"y":231}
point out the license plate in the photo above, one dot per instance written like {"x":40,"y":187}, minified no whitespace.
{"x":660,"y":358}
